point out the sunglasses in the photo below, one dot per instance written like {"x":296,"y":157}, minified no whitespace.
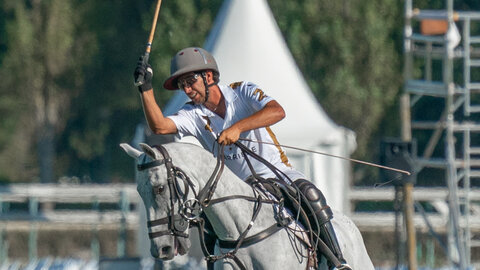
{"x":187,"y":81}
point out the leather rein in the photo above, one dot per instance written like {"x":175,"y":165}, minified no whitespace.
{"x":190,"y":210}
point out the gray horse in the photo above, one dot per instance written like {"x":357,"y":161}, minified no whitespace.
{"x":167,"y":201}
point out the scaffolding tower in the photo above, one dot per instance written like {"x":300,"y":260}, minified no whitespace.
{"x":442,"y":72}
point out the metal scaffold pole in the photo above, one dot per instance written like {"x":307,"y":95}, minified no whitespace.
{"x":433,"y":48}
{"x":408,"y":203}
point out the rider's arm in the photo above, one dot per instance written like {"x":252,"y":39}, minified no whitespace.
{"x":270,"y":114}
{"x":155,"y":119}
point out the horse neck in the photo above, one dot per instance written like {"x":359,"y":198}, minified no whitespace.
{"x":231,"y":217}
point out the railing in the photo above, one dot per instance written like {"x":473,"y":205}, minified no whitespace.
{"x":34,"y":207}
{"x":124,"y":198}
{"x":434,"y":197}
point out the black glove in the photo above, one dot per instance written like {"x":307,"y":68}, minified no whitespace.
{"x":143,"y":70}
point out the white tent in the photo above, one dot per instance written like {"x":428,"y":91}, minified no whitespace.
{"x":248,"y":45}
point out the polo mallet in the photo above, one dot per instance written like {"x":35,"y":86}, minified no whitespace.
{"x":141,"y":78}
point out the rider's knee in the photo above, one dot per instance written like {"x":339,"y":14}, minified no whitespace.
{"x":315,"y":199}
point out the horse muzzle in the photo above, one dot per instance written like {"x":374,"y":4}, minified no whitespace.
{"x":163,"y":252}
{"x":167,"y":252}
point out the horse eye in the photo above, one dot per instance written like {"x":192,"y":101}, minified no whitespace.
{"x":159,"y":189}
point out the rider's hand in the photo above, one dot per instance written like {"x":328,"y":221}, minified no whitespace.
{"x":229,"y":136}
{"x":145,"y":70}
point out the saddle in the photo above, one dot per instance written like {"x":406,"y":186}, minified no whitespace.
{"x":284,"y":193}
{"x":290,"y":198}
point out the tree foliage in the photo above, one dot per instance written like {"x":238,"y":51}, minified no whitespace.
{"x":36,"y":88}
{"x":348,"y":51}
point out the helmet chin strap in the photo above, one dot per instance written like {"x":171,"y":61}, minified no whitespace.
{"x":207,"y":92}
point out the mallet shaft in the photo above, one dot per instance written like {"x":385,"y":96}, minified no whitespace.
{"x":141,"y":79}
{"x":154,"y":25}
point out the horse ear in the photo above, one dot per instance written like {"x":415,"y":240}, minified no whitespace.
{"x":130,"y":150}
{"x":149,"y":151}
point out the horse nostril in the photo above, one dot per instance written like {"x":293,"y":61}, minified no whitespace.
{"x":166,"y":250}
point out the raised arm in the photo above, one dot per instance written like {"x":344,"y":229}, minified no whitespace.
{"x":155,"y":119}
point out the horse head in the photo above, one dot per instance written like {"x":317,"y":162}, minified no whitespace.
{"x":163,"y":197}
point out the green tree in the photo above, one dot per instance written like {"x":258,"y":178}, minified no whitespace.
{"x":39,"y":39}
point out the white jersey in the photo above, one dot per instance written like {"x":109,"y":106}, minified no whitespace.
{"x":242,"y":100}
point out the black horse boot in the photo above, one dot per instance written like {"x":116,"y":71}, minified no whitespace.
{"x":320,"y":218}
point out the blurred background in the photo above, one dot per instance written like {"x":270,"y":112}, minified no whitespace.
{"x":67,"y":100}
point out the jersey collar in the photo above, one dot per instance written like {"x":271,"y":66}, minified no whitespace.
{"x":229,"y":95}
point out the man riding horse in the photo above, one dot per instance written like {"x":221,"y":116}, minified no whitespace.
{"x":240,"y":110}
